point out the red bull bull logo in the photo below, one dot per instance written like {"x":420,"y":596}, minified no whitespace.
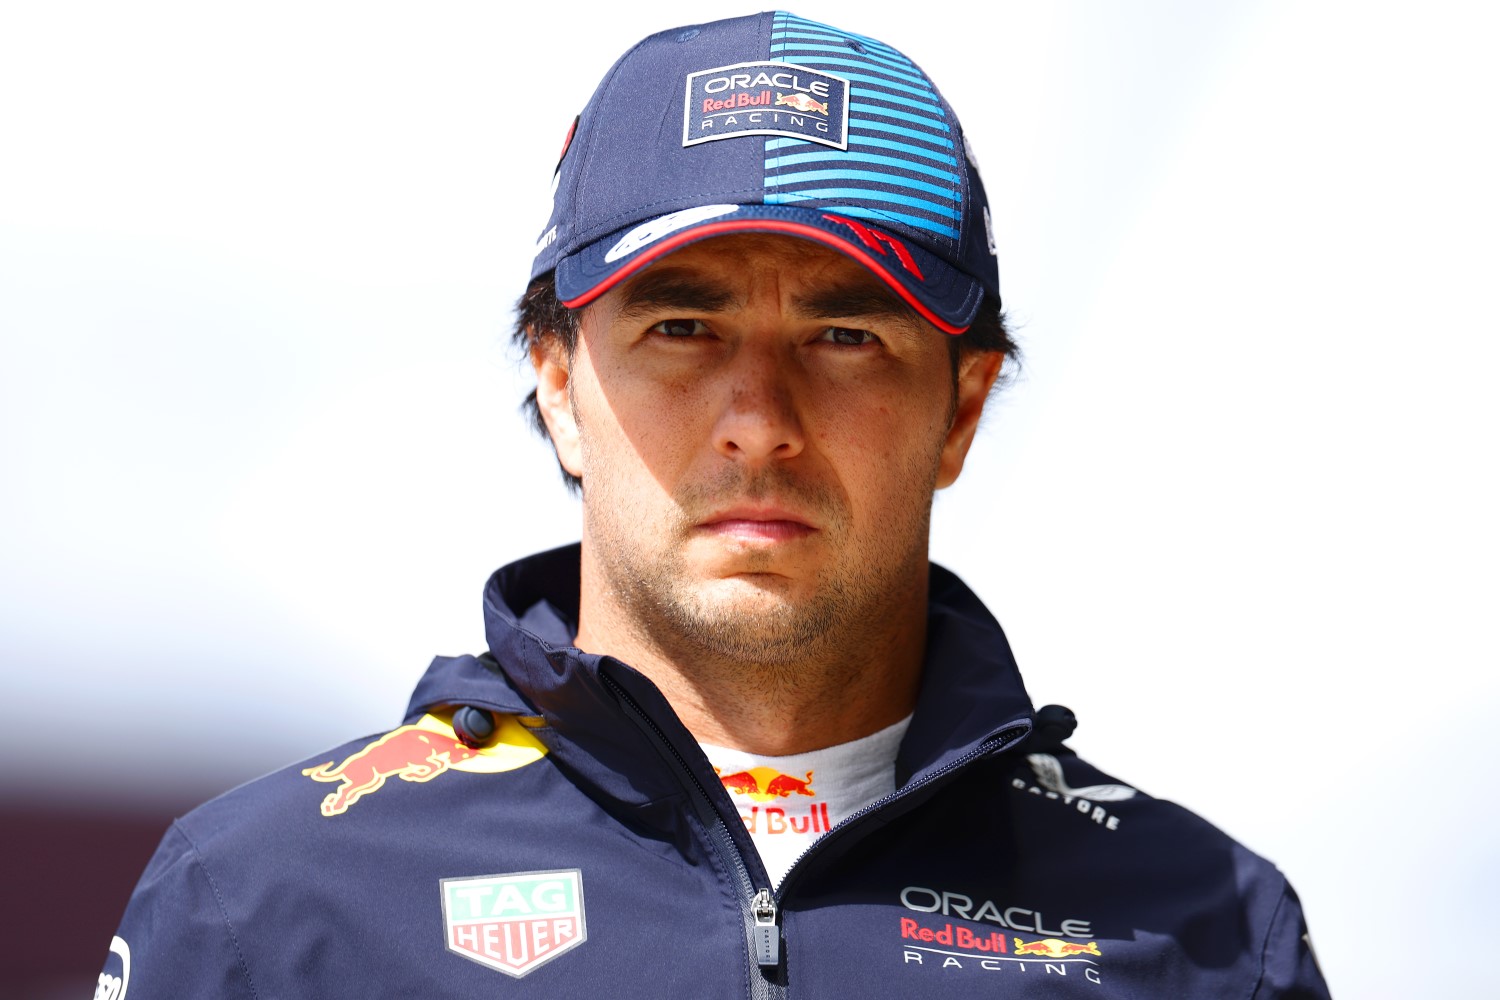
{"x":1055,"y":948}
{"x":419,"y":753}
{"x":766,"y":783}
{"x":803,"y":103}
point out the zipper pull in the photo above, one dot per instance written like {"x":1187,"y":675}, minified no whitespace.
{"x":767,"y":934}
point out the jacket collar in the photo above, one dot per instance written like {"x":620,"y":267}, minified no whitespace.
{"x":971,"y":697}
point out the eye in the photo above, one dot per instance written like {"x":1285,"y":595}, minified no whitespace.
{"x":680,"y":328}
{"x":848,"y":336}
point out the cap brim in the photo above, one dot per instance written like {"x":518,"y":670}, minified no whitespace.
{"x":942,"y":295}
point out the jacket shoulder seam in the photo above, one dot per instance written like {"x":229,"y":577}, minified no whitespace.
{"x":234,"y":938}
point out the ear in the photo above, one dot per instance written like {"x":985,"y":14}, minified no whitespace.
{"x":554,"y":399}
{"x":977,"y":371}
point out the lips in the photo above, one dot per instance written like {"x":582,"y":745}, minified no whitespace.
{"x":757,"y":524}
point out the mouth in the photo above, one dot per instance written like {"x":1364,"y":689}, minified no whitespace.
{"x":757,"y":525}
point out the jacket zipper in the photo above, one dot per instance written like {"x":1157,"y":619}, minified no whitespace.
{"x":757,"y":904}
{"x":760,"y":905}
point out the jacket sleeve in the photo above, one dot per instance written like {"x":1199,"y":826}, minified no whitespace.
{"x":1289,"y":969}
{"x":175,"y":940}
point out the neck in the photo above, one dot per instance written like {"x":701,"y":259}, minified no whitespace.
{"x":856,"y":676}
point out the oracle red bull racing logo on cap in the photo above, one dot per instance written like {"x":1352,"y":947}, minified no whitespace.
{"x":420,"y":752}
{"x":516,"y":922}
{"x":766,"y":98}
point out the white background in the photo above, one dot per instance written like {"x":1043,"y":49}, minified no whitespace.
{"x":260,"y":445}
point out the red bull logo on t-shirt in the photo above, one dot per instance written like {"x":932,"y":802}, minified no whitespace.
{"x":766,"y":783}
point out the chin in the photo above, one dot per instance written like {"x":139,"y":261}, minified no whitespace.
{"x":747,"y":593}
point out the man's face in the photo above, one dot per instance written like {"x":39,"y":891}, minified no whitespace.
{"x":759,"y":427}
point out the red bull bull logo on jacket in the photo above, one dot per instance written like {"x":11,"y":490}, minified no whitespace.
{"x":1055,"y":948}
{"x":420,"y":752}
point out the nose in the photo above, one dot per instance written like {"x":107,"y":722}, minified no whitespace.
{"x":759,"y":420}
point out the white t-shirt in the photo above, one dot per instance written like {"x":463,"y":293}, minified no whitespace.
{"x":787,"y":803}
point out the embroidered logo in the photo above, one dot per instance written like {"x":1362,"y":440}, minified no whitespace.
{"x":803,"y":103}
{"x":420,"y":752}
{"x":517,"y":922}
{"x":766,"y":98}
{"x":1049,"y":774}
{"x":1055,"y":948}
{"x":1051,"y":784}
{"x":953,"y":947}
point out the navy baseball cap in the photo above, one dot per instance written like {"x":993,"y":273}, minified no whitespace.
{"x":772,"y":123}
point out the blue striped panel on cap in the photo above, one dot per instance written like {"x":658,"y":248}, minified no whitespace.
{"x":901,"y":166}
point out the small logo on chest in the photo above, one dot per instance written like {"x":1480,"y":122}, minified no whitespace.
{"x":514,"y":923}
{"x":1051,"y":784}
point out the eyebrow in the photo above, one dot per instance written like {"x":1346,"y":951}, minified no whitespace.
{"x":673,"y":289}
{"x":676,"y":288}
{"x":852,"y":299}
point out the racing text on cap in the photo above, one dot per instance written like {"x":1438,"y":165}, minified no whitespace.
{"x":766,"y":98}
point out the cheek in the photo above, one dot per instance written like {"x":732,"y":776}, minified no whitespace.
{"x":877,"y":427}
{"x":638,"y":431}
{"x":850,"y":434}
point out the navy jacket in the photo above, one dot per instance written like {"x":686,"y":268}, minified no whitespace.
{"x":585,"y":848}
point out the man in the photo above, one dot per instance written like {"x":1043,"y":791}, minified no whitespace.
{"x":743,"y":739}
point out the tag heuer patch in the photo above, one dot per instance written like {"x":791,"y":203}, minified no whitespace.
{"x":766,"y":98}
{"x":514,"y":923}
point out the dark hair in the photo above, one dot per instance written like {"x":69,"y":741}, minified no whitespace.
{"x":540,"y":316}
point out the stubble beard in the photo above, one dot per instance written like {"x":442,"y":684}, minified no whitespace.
{"x":754,"y":628}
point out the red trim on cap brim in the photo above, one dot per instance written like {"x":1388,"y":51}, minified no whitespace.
{"x":765,"y":225}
